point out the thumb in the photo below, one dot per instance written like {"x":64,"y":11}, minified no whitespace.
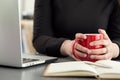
{"x":80,"y":35}
{"x":101,"y":31}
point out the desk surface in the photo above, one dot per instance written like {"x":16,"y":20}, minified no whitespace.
{"x":33,"y":73}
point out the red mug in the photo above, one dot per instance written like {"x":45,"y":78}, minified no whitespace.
{"x":85,"y":43}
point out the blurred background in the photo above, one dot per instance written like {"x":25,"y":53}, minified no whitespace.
{"x":27,"y":8}
{"x":27,"y":12}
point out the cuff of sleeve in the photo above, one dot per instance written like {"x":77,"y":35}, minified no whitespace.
{"x":56,"y":52}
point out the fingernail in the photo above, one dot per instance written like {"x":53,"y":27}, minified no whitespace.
{"x":92,"y":57}
{"x":85,"y":56}
{"x":88,"y":51}
{"x":91,"y":44}
{"x":85,"y":37}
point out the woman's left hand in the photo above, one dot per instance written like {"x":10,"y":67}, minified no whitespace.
{"x":109,"y":51}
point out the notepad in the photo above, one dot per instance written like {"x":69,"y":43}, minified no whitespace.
{"x":102,"y":69}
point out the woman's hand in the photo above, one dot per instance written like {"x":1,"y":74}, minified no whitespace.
{"x":66,"y":48}
{"x":109,"y":51}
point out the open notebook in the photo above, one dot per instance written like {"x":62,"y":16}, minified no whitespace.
{"x":103,"y":69}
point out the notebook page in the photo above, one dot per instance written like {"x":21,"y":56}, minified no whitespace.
{"x":114,"y":67}
{"x":69,"y":66}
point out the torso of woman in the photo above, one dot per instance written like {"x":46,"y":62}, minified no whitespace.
{"x":80,"y":16}
{"x":58,"y":20}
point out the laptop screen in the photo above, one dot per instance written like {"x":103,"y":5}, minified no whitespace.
{"x":10,"y":45}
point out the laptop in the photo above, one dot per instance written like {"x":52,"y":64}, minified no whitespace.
{"x":10,"y":38}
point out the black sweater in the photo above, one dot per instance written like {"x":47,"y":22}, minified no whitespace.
{"x":58,"y":20}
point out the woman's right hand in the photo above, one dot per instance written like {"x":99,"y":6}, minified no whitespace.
{"x":66,"y":48}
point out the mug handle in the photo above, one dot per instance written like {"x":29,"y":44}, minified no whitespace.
{"x":77,"y":56}
{"x":73,"y":48}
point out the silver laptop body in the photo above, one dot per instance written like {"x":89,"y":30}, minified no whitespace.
{"x":10,"y":36}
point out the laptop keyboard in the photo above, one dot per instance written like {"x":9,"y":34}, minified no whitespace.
{"x":32,"y":58}
{"x":26,"y":60}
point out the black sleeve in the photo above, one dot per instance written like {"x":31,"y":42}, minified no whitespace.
{"x":43,"y":35}
{"x":114,"y":26}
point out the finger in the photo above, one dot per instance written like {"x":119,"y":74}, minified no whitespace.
{"x":81,"y":54}
{"x":78,"y":53}
{"x":80,"y":35}
{"x":100,"y":42}
{"x":98,"y":51}
{"x":101,"y":31}
{"x":101,"y":57}
{"x":75,"y":58}
{"x":82,"y":49}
